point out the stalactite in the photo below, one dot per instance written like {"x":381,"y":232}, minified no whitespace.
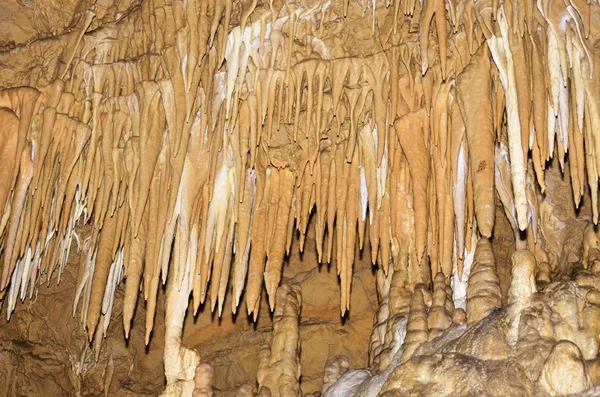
{"x":418,"y":159}
{"x":475,"y":101}
{"x":193,"y":137}
{"x":157,"y":103}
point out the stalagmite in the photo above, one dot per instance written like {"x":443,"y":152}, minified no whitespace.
{"x":591,"y":240}
{"x":483,"y":290}
{"x":180,"y":362}
{"x":335,"y":367}
{"x":543,"y":274}
{"x":279,"y":368}
{"x":417,"y":330}
{"x":522,"y":287}
{"x":377,"y":339}
{"x":459,"y":316}
{"x":593,"y":368}
{"x":203,"y":381}
{"x":439,"y":317}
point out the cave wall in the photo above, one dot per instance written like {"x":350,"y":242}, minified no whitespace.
{"x":44,"y":349}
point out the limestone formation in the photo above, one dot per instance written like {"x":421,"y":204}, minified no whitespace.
{"x":439,"y":317}
{"x":279,"y":368}
{"x":543,"y":274}
{"x":203,"y":381}
{"x":417,"y":330}
{"x":433,"y":164}
{"x":483,"y":291}
{"x":564,"y":370}
{"x":335,"y":367}
{"x":522,"y":287}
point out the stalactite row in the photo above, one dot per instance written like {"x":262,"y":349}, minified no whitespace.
{"x":197,"y":142}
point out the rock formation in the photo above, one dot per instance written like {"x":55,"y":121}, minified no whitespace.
{"x":439,"y":317}
{"x":483,"y":291}
{"x":170,"y":159}
{"x":279,"y":368}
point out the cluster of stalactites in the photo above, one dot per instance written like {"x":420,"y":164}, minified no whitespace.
{"x":194,"y":147}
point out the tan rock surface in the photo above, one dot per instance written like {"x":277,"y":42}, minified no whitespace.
{"x":564,"y":371}
{"x":420,"y":177}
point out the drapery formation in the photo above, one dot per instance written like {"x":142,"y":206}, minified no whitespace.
{"x":194,"y":140}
